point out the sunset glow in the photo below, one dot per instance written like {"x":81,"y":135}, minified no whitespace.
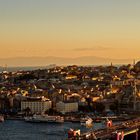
{"x":70,"y":28}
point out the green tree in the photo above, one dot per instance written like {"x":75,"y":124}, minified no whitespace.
{"x":100,"y":107}
{"x":27,"y":111}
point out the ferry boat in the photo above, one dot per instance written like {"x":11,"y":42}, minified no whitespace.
{"x":87,"y":121}
{"x":45,"y":118}
{"x":1,"y":118}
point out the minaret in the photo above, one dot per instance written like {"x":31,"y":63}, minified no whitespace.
{"x":134,"y":95}
{"x":111,"y":68}
{"x":134,"y":62}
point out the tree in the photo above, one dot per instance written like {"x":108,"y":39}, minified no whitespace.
{"x":100,"y":107}
{"x":114,"y":107}
{"x":89,"y":102}
{"x":27,"y":111}
{"x":52,"y":111}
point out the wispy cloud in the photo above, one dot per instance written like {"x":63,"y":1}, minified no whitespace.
{"x":94,"y":48}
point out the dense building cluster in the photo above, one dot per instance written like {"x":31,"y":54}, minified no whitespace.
{"x":71,"y":89}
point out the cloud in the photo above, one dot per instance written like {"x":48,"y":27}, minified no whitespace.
{"x":95,"y":48}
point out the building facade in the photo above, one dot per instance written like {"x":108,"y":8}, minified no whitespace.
{"x":36,"y":106}
{"x":67,"y":107}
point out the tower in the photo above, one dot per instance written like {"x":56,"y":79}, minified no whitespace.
{"x":134,"y":95}
{"x":134,"y":62}
{"x":111,"y":68}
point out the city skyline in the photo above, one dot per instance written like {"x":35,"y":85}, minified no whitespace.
{"x":70,"y":29}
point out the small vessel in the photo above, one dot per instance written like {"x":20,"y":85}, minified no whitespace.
{"x":87,"y":121}
{"x":108,"y":123}
{"x":97,"y":120}
{"x":45,"y":118}
{"x":73,"y":133}
{"x":1,"y":118}
{"x":72,"y":119}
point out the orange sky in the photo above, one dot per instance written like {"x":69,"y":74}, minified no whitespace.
{"x":70,"y":28}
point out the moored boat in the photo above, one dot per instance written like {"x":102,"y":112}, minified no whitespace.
{"x":73,"y":133}
{"x":87,"y":121}
{"x":45,"y":118}
{"x":108,"y":123}
{"x":1,"y":118}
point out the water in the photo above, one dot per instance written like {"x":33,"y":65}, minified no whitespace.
{"x":20,"y":130}
{"x":14,"y":69}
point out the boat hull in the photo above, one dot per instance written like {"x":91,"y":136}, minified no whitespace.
{"x":46,"y":119}
{"x":43,"y":121}
{"x":1,"y":119}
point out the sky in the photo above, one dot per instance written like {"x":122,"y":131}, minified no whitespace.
{"x":70,"y":28}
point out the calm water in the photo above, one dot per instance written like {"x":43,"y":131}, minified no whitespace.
{"x":20,"y":130}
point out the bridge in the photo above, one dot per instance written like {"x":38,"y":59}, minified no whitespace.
{"x":120,"y":131}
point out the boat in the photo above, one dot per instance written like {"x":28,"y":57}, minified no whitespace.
{"x":87,"y":121}
{"x":108,"y":123}
{"x":73,"y":133}
{"x":1,"y":118}
{"x":44,"y":118}
{"x":72,"y":119}
{"x":97,"y":120}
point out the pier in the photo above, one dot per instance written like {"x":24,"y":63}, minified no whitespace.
{"x":123,"y":131}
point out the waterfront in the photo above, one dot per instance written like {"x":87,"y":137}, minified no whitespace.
{"x":20,"y":130}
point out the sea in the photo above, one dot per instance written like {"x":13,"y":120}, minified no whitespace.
{"x":21,"y":130}
{"x":30,"y":68}
{"x":14,"y":69}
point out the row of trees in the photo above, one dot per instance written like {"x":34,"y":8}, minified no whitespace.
{"x":98,"y":107}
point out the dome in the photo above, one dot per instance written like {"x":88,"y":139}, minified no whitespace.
{"x":137,"y":64}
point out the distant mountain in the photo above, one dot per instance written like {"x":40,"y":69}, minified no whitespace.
{"x":44,"y":61}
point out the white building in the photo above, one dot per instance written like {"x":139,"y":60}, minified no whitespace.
{"x":36,"y":106}
{"x":66,"y":107}
{"x":118,"y":83}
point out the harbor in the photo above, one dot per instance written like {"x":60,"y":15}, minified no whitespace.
{"x":16,"y":129}
{"x":126,"y":130}
{"x":21,"y":130}
{"x":81,"y":128}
